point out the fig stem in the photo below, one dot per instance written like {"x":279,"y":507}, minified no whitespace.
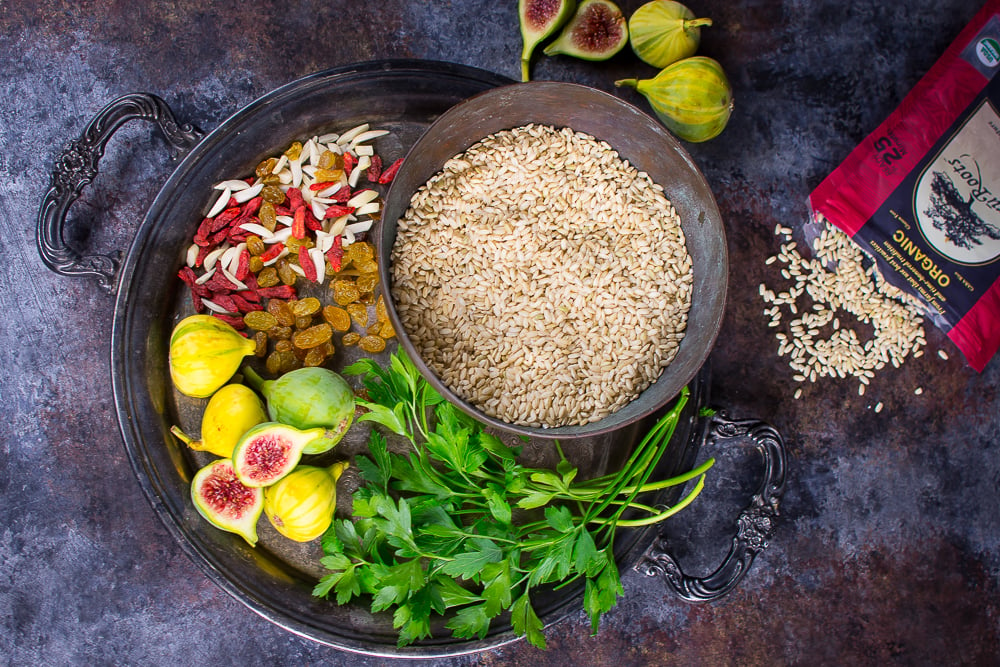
{"x":181,"y":435}
{"x":255,"y":380}
{"x":697,"y":23}
{"x":631,"y":83}
{"x":525,"y":69}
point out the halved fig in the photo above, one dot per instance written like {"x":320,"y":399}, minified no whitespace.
{"x":225,"y":502}
{"x":269,"y":451}
{"x":539,"y":20}
{"x":597,"y":31}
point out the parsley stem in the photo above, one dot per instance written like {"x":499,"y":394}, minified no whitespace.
{"x":653,"y":486}
{"x":636,"y":523}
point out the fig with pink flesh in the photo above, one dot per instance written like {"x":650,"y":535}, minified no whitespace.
{"x":269,"y":451}
{"x":539,"y":20}
{"x":225,"y":502}
{"x":597,"y":31}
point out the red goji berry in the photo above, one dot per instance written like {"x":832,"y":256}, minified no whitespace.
{"x":316,"y":187}
{"x":190,"y":279}
{"x":349,"y":162}
{"x":245,"y":305}
{"x":337,"y":210}
{"x":199,"y":307}
{"x":390,"y":173}
{"x":227,"y":216}
{"x":335,"y":255}
{"x":299,"y":223}
{"x":249,"y":294}
{"x":306,"y":263}
{"x":251,"y":207}
{"x":342,"y":195}
{"x":204,"y":229}
{"x":218,"y":237}
{"x":243,"y":266}
{"x":271,"y":253}
{"x":375,"y":170}
{"x":225,"y":300}
{"x":220,"y":283}
{"x":295,"y":200}
{"x":312,"y":223}
{"x":277,"y":292}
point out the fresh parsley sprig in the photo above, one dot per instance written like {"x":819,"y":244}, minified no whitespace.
{"x":458,"y":526}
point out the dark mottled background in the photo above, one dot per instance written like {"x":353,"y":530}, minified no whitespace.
{"x":888,"y":550}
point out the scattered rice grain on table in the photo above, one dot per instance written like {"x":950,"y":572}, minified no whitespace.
{"x":840,"y":279}
{"x":543,"y":278}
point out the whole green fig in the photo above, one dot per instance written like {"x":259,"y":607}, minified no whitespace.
{"x":307,"y":398}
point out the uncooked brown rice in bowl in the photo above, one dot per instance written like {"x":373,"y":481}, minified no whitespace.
{"x":542,"y":278}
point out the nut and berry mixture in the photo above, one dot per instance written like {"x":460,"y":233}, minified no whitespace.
{"x":298,"y":223}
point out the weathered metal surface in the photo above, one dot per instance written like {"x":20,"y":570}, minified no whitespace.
{"x":888,"y":547}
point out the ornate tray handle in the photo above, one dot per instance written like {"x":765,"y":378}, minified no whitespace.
{"x":755,"y":524}
{"x":76,"y":167}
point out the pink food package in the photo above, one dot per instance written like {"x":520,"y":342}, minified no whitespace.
{"x":921,"y":194}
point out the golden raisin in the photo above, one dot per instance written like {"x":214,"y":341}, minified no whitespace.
{"x":350,"y":338}
{"x":289,"y":362}
{"x":359,"y":313}
{"x":272,"y":194}
{"x":268,"y":218}
{"x":328,"y":175}
{"x":387,"y":331}
{"x":360,"y":251}
{"x":283,"y":346}
{"x":345,"y":292}
{"x":294,"y":151}
{"x":273,"y":363}
{"x":279,"y":333}
{"x":281,"y":311}
{"x":260,"y":340}
{"x":266,"y":167}
{"x":256,"y":265}
{"x":367,"y":282}
{"x":313,"y":336}
{"x":293,"y":244}
{"x":260,"y":320}
{"x":381,"y":313}
{"x":268,"y":277}
{"x":255,"y":245}
{"x":307,"y":306}
{"x":285,"y":271}
{"x":366,"y":266}
{"x":314,"y":357}
{"x":372,"y":344}
{"x":303,"y":322}
{"x":319,"y":354}
{"x":338,"y":318}
{"x":330,"y":160}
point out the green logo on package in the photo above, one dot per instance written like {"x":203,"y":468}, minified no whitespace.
{"x":988,"y":50}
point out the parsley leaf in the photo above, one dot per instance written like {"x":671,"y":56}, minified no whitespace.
{"x":471,"y":621}
{"x":526,"y":622}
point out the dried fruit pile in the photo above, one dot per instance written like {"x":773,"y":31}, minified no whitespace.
{"x":303,"y":215}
